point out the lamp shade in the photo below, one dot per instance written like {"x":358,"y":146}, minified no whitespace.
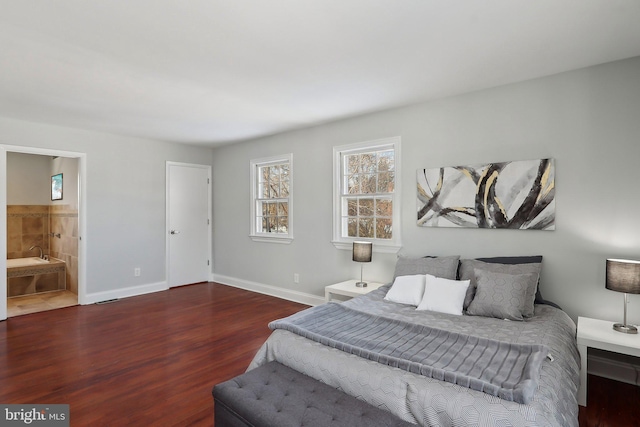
{"x":623,"y":275}
{"x":362,"y":251}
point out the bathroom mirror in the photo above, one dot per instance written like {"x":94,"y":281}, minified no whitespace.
{"x":56,"y":187}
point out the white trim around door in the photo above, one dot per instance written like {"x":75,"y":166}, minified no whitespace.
{"x":82,"y":220}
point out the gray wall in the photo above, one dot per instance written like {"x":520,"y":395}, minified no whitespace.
{"x":125,"y":198}
{"x":69,"y":170}
{"x":588,"y":120}
{"x":28,"y":179}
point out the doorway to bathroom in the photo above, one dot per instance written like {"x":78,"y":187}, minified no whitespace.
{"x":42,"y":202}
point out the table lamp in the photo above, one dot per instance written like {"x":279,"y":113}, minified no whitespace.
{"x":362,"y":252}
{"x":623,"y":275}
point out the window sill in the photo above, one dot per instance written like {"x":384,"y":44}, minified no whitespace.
{"x":271,"y":239}
{"x":384,"y":248}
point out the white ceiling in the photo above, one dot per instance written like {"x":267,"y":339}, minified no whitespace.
{"x":212,"y":71}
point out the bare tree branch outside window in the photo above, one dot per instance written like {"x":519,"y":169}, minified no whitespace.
{"x":367,"y":194}
{"x":273,"y":198}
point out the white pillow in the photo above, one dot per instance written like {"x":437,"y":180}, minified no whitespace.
{"x":407,"y":289}
{"x":443,"y":295}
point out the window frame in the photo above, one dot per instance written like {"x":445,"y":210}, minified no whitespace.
{"x":255,"y":235}
{"x":392,"y":245}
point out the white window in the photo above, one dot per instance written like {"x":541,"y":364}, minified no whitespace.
{"x":367,"y":194}
{"x":271,"y":207}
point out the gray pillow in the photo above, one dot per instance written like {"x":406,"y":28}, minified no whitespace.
{"x":445,"y":267}
{"x":501,"y":295}
{"x":530,"y":259}
{"x":467,"y":267}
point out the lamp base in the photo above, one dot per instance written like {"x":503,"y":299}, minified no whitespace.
{"x":361,"y":284}
{"x":627,"y":329}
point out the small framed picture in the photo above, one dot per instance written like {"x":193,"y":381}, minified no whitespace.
{"x":56,"y":187}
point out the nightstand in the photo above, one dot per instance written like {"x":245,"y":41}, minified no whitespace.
{"x":600,"y":334}
{"x":349,"y":289}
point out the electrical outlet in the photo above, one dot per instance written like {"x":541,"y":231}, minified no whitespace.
{"x":296,"y":278}
{"x":136,"y":272}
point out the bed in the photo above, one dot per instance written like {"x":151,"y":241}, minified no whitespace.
{"x":440,"y":397}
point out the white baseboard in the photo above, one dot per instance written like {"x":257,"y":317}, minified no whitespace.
{"x":125,"y":292}
{"x":613,"y":369}
{"x":295,"y":296}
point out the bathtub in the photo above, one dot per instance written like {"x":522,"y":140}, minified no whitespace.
{"x":34,"y":275}
{"x":25,"y":262}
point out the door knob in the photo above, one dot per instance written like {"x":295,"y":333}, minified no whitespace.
{"x":174,"y":232}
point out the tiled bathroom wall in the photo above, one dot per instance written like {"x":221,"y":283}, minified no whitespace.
{"x":64,"y":242}
{"x":27,"y":225}
{"x":52,"y":227}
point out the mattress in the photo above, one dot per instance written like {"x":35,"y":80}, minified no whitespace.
{"x":428,"y":401}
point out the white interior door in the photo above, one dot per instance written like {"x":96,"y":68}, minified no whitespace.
{"x":188,"y":223}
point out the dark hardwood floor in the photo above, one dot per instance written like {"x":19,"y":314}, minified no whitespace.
{"x":152,"y":360}
{"x":610,"y":404}
{"x":149,"y":360}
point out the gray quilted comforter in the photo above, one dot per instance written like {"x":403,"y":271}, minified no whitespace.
{"x":427,"y":401}
{"x":507,"y":370}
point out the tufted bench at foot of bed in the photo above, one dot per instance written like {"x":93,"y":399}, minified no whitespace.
{"x":275,"y":395}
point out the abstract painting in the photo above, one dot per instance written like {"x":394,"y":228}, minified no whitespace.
{"x":516,"y":195}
